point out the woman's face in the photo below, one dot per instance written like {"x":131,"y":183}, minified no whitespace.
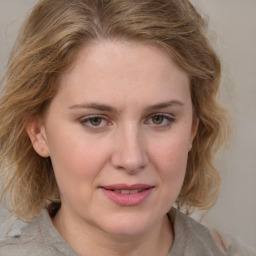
{"x":118,"y":133}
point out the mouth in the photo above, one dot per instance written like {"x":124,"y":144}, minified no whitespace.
{"x":125,"y":192}
{"x":127,"y":195}
{"x":128,"y":189}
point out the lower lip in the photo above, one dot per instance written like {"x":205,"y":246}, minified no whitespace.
{"x":128,"y":199}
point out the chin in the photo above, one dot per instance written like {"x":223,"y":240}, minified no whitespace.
{"x":125,"y":225}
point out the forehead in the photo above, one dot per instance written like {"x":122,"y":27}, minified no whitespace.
{"x":113,"y":54}
{"x":123,"y":69}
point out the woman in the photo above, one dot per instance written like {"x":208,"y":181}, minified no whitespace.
{"x":108,"y":119}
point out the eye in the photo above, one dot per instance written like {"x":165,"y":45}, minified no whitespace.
{"x":94,"y":122}
{"x":157,"y":119}
{"x":160,"y":120}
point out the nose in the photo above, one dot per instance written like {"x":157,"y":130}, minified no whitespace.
{"x":129,"y":151}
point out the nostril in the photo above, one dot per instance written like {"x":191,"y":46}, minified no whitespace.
{"x":129,"y":163}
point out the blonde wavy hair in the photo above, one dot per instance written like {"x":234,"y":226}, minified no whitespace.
{"x":47,"y":45}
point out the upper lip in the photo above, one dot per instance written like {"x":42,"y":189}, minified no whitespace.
{"x":127,"y":187}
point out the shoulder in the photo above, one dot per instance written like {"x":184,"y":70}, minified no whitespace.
{"x":192,"y":238}
{"x":232,"y":246}
{"x":196,"y":239}
{"x":27,"y":241}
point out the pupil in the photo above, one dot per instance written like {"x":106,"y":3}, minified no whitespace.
{"x":95,"y":121}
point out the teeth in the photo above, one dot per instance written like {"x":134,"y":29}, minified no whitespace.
{"x":134,"y":191}
{"x":125,"y":191}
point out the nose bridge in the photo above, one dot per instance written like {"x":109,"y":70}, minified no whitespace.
{"x":130,"y":152}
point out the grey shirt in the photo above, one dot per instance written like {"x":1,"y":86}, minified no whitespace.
{"x":41,"y":238}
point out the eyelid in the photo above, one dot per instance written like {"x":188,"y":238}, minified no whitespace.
{"x":87,"y":117}
{"x":166,"y":115}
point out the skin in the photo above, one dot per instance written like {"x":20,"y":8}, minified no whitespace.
{"x":142,"y":132}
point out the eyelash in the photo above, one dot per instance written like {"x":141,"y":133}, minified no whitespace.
{"x":86,"y":121}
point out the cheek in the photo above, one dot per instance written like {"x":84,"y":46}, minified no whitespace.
{"x":76,"y":162}
{"x":172,"y":168}
{"x":170,"y":159}
{"x":172,"y":152}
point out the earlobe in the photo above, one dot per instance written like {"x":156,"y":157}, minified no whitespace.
{"x":37,"y":135}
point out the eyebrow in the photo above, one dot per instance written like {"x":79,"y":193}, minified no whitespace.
{"x":96,"y":106}
{"x":107,"y":108}
{"x":165,"y":105}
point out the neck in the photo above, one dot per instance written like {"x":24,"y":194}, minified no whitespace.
{"x":88,"y":240}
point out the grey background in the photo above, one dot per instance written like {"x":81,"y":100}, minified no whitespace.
{"x":234,"y":23}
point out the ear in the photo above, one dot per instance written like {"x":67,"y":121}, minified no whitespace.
{"x":194,"y":129}
{"x":37,"y":135}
